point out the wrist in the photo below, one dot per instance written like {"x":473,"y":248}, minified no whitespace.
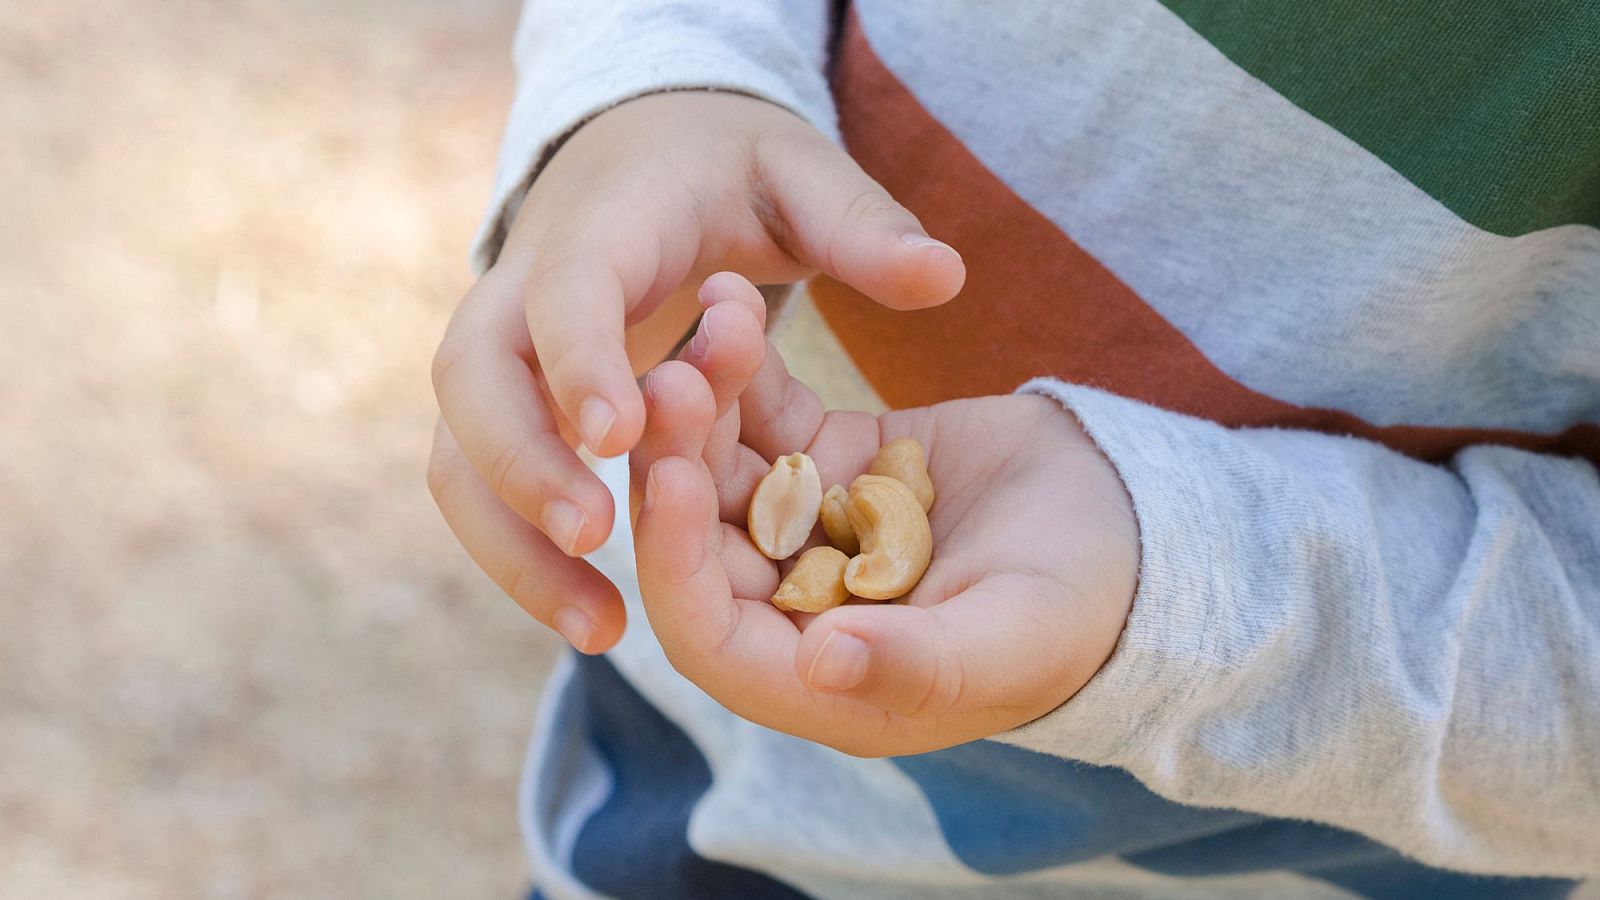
{"x":1110,"y":584}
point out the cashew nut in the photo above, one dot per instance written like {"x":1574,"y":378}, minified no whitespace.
{"x":815,"y":584}
{"x":896,"y":542}
{"x":836,"y":524}
{"x":785,"y":506}
{"x":903,"y":460}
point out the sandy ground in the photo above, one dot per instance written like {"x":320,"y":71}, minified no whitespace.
{"x":240,"y":654}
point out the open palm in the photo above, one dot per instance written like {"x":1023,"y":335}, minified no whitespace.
{"x":1035,"y":553}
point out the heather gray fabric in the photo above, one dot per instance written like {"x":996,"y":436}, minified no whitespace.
{"x":1274,"y":243}
{"x":1326,"y":629}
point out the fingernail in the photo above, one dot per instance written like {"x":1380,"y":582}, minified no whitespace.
{"x":840,"y":663}
{"x":574,"y":625}
{"x":649,"y":488}
{"x":563,"y":522}
{"x":701,"y":342}
{"x":918,"y":241}
{"x":595,"y":419}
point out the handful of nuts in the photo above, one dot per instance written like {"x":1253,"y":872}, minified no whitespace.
{"x":881,"y":542}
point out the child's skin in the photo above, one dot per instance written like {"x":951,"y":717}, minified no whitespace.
{"x":1035,"y":546}
{"x":1035,"y":554}
{"x":655,"y":193}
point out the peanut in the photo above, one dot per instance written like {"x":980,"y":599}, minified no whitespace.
{"x":815,"y":584}
{"x":903,"y":459}
{"x":785,"y":506}
{"x":896,"y":542}
{"x":836,"y":524}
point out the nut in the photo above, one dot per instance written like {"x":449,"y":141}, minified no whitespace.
{"x":785,"y":505}
{"x":836,"y":524}
{"x":896,"y":542}
{"x":815,"y":584}
{"x":904,"y":460}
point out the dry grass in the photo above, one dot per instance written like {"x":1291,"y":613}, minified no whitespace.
{"x":240,"y":655}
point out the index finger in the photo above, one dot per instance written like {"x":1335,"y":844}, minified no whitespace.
{"x":739,"y":651}
{"x":586,"y":277}
{"x":575,"y":311}
{"x":492,"y":404}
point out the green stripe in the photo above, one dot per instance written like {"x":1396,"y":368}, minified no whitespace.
{"x":1491,"y":107}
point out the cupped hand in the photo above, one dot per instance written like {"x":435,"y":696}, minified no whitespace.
{"x":647,"y":197}
{"x":1034,"y":563}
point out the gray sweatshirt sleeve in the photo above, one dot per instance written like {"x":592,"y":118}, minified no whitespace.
{"x":576,"y":58}
{"x":1325,"y":629}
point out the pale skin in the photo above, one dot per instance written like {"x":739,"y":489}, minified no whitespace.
{"x":1035,"y":555}
{"x":650,"y":196}
{"x":1035,"y":551}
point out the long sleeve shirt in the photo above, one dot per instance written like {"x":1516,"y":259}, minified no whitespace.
{"x":1323,"y":282}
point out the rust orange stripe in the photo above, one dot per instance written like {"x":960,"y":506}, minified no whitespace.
{"x":1035,"y":303}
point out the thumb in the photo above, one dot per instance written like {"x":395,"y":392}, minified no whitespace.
{"x":995,"y":649}
{"x":901,"y":659}
{"x":831,"y":215}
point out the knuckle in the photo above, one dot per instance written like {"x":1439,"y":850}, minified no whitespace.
{"x":780,"y":154}
{"x":690,"y":664}
{"x":564,"y":347}
{"x":556,"y":358}
{"x":511,"y":472}
{"x":712,"y":639}
{"x":522,"y":584}
{"x":945,"y":687}
{"x":872,"y":205}
{"x":870,"y":208}
{"x":621,"y":225}
{"x":441,"y":477}
{"x":681,"y":662}
{"x":760,"y":418}
{"x":694,"y":645}
{"x":719,"y":645}
{"x":873,"y":741}
{"x":767,"y":154}
{"x":497,"y":282}
{"x":497,"y":286}
{"x":769,"y":215}
{"x":446,"y":360}
{"x":563,"y":259}
{"x":946,"y":677}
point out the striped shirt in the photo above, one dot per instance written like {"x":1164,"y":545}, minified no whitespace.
{"x":1323,"y":281}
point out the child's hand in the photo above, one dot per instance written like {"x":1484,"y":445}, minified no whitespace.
{"x":1034,"y":563}
{"x":655,"y":192}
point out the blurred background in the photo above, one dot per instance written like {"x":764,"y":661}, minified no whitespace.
{"x":240,"y":654}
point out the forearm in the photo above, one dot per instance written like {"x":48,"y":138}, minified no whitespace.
{"x":1327,"y":630}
